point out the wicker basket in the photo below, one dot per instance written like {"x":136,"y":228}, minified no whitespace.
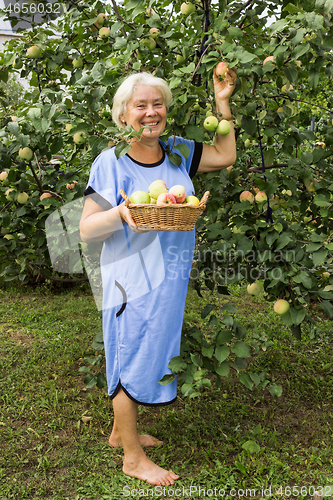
{"x":177,"y":217}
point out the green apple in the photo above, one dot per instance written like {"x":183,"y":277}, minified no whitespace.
{"x":260,"y":197}
{"x":7,"y":194}
{"x":104,"y":32}
{"x":153,"y":201}
{"x":281,"y":306}
{"x":156,"y":188}
{"x":180,"y":59}
{"x":187,"y":8}
{"x":148,"y":43}
{"x":154,"y":32}
{"x":101,"y":18}
{"x":69,"y":127}
{"x":80,"y":137}
{"x":3,"y":175}
{"x":22,"y":197}
{"x":223,"y":127}
{"x":211,"y":123}
{"x":248,"y":143}
{"x":191,"y":200}
{"x":34,"y":52}
{"x":254,"y":289}
{"x":77,"y":63}
{"x":25,"y":154}
{"x":237,"y":230}
{"x":140,"y":197}
{"x":17,"y":64}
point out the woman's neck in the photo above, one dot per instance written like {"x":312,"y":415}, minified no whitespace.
{"x":145,"y":152}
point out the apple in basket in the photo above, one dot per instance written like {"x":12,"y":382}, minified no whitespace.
{"x":178,"y":192}
{"x":166,"y":199}
{"x":191,"y":200}
{"x":156,"y":188}
{"x":140,"y":197}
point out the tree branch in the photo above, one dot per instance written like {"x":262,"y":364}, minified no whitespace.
{"x":115,"y":8}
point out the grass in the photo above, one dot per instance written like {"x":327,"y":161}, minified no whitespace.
{"x":230,"y":440}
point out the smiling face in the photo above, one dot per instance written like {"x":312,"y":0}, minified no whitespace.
{"x":146,"y":107}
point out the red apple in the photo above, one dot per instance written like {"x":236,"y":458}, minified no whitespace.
{"x":269,"y":58}
{"x":166,"y":199}
{"x":71,"y":185}
{"x":221,"y":69}
{"x":45,"y":195}
{"x":246,"y":196}
{"x":178,"y":192}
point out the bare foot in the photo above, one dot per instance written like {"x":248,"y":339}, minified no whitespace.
{"x":144,"y":439}
{"x":146,"y":470}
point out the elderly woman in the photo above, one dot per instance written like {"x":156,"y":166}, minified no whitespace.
{"x":145,"y":274}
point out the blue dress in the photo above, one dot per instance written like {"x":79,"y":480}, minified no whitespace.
{"x":145,"y":278}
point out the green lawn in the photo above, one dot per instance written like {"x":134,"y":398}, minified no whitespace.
{"x":48,"y":453}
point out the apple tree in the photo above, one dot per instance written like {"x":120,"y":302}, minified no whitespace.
{"x":268,"y":220}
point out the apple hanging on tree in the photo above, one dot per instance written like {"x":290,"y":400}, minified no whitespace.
{"x":281,"y":306}
{"x":34,"y":52}
{"x":25,"y":154}
{"x":187,"y":8}
{"x":211,"y":123}
{"x":223,"y":127}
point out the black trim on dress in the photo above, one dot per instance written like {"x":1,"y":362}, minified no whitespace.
{"x":122,"y":309}
{"x":196,"y":159}
{"x":97,"y":198}
{"x":119,"y":386}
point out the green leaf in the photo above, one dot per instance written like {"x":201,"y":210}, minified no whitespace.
{"x":90,"y":381}
{"x":121,"y":149}
{"x":207,"y":310}
{"x":194,"y":133}
{"x":327,"y":307}
{"x":241,"y":349}
{"x":166,"y":379}
{"x":319,"y":257}
{"x":251,"y":447}
{"x":221,"y":353}
{"x":184,"y":150}
{"x":297,"y":315}
{"x":175,"y":158}
{"x":282,"y":241}
{"x":101,"y":380}
{"x":224,"y":337}
{"x":176,"y":364}
{"x":196,"y":360}
{"x":245,"y":380}
{"x":275,"y":390}
{"x":208,"y":351}
{"x":224,"y":369}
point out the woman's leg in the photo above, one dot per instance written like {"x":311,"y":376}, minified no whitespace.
{"x":136,"y":462}
{"x":144,"y":439}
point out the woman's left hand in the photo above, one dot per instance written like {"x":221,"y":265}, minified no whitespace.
{"x":224,"y":88}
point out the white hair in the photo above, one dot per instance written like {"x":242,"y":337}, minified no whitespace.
{"x":127,"y":89}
